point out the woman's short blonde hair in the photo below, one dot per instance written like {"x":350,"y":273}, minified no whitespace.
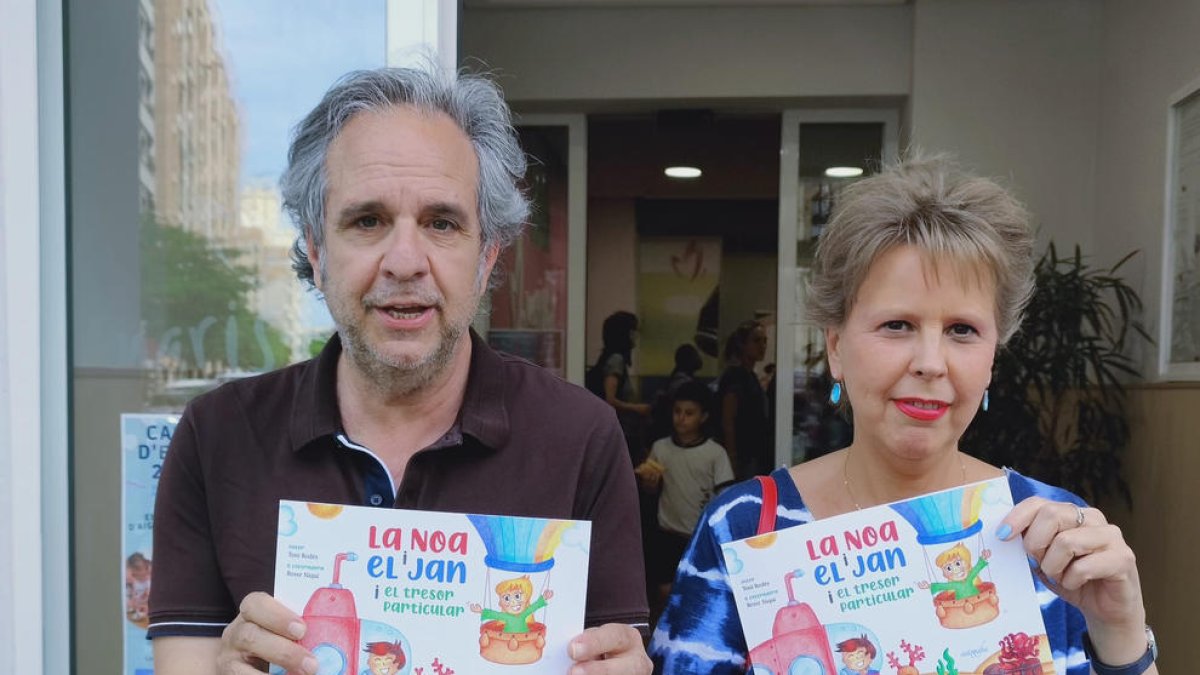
{"x":948,"y":214}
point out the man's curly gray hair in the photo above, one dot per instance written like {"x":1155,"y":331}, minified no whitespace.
{"x":475,"y":104}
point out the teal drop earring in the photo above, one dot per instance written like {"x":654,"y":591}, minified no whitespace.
{"x":985,"y":400}
{"x":835,"y":394}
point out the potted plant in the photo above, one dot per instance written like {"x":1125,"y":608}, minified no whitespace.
{"x":1057,"y":397}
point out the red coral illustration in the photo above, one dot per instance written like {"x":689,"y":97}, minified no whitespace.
{"x":915,"y":655}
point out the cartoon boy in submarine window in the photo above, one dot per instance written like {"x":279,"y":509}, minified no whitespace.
{"x":857,"y":653}
{"x":954,"y":563}
{"x":384,"y":658}
{"x":516,"y":612}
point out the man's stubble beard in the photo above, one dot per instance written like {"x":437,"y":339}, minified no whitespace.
{"x":398,"y":375}
{"x":402,"y":376}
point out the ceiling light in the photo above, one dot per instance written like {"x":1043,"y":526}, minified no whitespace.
{"x":843,"y":172}
{"x":682,"y":172}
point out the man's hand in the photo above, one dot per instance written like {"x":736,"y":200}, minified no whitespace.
{"x":611,"y":649}
{"x":264,"y":632}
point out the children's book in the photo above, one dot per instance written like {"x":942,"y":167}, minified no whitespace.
{"x":396,"y":592}
{"x":921,"y":586}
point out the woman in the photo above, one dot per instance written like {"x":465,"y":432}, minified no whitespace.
{"x":919,"y":279}
{"x":745,"y":422}
{"x":613,"y":364}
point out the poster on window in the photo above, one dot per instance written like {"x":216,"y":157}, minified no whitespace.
{"x":677,"y":300}
{"x":144,"y":442}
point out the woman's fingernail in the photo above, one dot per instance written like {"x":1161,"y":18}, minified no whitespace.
{"x":296,"y":630}
{"x":1004,"y":531}
{"x":310,"y":665}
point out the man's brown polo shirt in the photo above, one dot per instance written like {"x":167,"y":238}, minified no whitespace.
{"x":526,"y":444}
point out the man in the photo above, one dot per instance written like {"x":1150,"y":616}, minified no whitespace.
{"x":404,"y":187}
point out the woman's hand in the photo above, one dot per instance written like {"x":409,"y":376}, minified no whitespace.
{"x":1085,"y":560}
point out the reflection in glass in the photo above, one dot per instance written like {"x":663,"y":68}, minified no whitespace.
{"x":219,"y":85}
{"x":529,"y":308}
{"x":1185,"y":236}
{"x":817,"y":427}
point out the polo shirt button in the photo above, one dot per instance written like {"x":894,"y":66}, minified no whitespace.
{"x":376,"y":500}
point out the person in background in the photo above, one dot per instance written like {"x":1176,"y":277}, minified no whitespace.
{"x":611,"y":370}
{"x":745,"y":423}
{"x":921,"y":276}
{"x":687,"y":362}
{"x":404,"y":186}
{"x":689,"y":468}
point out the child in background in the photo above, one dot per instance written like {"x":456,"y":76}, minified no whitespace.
{"x":690,"y":468}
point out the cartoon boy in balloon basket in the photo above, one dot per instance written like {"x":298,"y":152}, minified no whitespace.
{"x":516,"y":612}
{"x":961,"y":576}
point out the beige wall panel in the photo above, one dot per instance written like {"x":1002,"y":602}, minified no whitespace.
{"x":98,"y":594}
{"x":1011,"y":88}
{"x":589,"y":54}
{"x":1163,"y":470}
{"x":611,"y":266}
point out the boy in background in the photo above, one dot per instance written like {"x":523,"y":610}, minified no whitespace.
{"x":690,"y":467}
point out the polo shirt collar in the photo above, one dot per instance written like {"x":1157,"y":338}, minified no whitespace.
{"x":484,"y":413}
{"x":314,"y":411}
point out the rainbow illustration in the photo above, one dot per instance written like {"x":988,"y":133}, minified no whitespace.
{"x":521,"y":545}
{"x":945,"y":517}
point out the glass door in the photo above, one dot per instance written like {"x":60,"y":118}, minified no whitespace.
{"x":537,"y":312}
{"x":177,"y":130}
{"x":822,"y":151}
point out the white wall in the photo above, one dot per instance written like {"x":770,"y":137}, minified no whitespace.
{"x":1012,"y":88}
{"x":597,"y":54}
{"x":748,"y":285}
{"x":20,"y":440}
{"x":611,"y":266}
{"x":1151,"y":50}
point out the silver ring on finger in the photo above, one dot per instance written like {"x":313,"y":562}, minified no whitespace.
{"x":1080,"y":516}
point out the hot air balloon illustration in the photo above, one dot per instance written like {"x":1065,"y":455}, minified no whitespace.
{"x":524,"y":549}
{"x":948,"y":528}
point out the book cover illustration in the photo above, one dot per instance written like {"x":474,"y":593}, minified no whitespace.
{"x":916,"y":587}
{"x":396,"y":592}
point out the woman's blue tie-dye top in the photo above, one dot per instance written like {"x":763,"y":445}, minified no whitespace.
{"x":699,"y":631}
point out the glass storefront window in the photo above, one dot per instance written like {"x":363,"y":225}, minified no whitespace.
{"x":180,"y":113}
{"x":528,"y":315}
{"x":831,"y":156}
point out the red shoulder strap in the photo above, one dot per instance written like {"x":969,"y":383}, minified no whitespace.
{"x":770,"y":500}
